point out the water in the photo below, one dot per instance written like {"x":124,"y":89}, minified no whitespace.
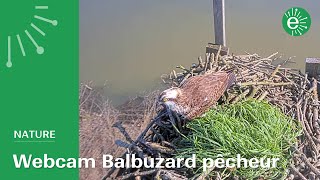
{"x":128,"y":44}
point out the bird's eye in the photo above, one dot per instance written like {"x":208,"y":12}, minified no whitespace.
{"x":164,"y":99}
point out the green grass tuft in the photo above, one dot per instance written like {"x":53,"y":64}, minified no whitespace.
{"x":253,"y":129}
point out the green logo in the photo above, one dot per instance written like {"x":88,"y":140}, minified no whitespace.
{"x":25,"y":38}
{"x":296,"y":21}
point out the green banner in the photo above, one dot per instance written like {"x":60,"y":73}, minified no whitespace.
{"x":39,"y":86}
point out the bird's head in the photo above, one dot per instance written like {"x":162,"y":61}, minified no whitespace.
{"x":169,"y":96}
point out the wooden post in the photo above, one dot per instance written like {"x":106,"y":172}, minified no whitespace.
{"x":313,"y":67}
{"x":219,"y":22}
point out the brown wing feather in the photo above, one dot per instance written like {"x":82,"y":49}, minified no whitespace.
{"x":199,"y":93}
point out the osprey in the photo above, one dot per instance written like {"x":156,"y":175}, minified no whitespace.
{"x":197,"y":94}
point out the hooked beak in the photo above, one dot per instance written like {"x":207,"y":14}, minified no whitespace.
{"x":160,"y":106}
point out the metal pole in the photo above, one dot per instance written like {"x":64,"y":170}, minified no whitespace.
{"x":219,"y":22}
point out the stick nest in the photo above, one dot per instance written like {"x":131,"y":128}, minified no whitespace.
{"x":258,"y":78}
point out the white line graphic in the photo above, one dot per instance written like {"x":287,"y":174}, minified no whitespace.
{"x":40,"y":50}
{"x":53,"y":22}
{"x":38,"y":29}
{"x":21,"y":45}
{"x":41,"y":7}
{"x":9,"y":63}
